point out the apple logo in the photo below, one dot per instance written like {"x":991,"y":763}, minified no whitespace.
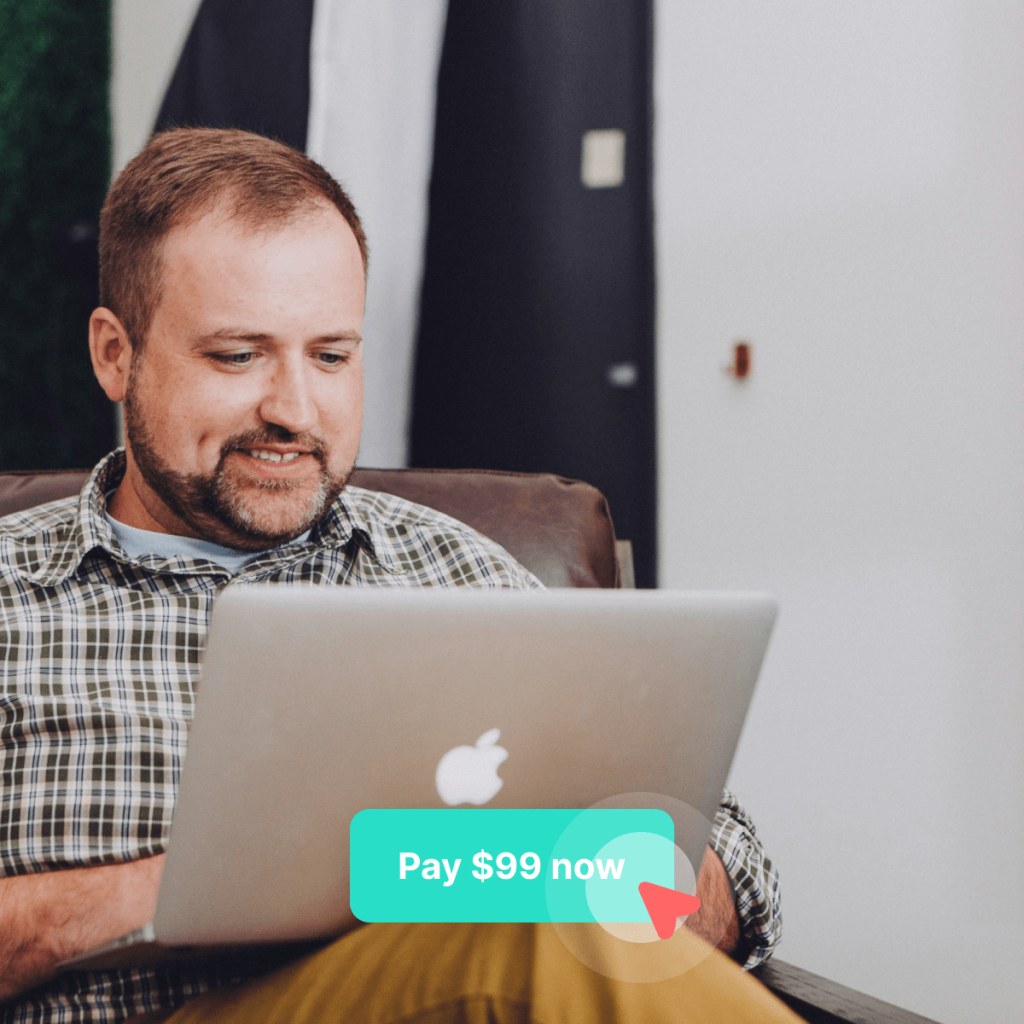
{"x":469,"y":775}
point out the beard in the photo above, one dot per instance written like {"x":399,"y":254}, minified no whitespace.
{"x":249,"y":514}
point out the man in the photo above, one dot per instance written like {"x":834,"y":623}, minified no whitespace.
{"x":232,"y":282}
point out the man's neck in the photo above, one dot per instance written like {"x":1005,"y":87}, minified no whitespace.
{"x":127,"y":506}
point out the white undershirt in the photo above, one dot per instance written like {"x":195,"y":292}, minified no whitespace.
{"x":137,"y":543}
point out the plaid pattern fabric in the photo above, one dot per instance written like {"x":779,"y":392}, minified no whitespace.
{"x":99,"y":657}
{"x":755,"y":880}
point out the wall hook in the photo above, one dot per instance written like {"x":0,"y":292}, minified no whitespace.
{"x":740,"y":365}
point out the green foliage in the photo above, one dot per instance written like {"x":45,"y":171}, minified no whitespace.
{"x":54,"y":168}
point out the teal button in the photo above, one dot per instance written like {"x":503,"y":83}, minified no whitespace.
{"x":491,"y":865}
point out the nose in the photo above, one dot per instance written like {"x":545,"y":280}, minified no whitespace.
{"x":288,"y":401}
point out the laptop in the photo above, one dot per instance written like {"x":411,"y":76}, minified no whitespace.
{"x":317,"y":702}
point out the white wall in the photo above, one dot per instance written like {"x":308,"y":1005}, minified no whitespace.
{"x":146,"y":38}
{"x":842,"y":184}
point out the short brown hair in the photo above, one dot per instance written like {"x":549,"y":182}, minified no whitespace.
{"x":179,"y":176}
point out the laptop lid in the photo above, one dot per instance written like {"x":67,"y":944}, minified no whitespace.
{"x":316,"y":703}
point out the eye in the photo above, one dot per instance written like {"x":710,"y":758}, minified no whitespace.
{"x":332,"y":358}
{"x":234,"y":358}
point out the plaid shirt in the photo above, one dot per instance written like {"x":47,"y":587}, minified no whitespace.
{"x":99,"y":664}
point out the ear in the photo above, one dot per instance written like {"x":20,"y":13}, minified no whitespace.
{"x":111,"y":352}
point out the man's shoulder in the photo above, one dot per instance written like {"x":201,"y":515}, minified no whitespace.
{"x":28,"y":537}
{"x":424,"y":541}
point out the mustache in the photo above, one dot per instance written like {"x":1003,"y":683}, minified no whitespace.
{"x":274,"y":435}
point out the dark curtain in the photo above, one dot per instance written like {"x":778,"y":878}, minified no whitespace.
{"x":54,"y":166}
{"x":536,"y":337}
{"x":245,"y":64}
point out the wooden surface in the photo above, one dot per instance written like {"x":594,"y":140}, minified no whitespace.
{"x":820,"y":1001}
{"x":624,"y":556}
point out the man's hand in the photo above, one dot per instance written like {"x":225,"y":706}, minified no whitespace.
{"x":716,"y":921}
{"x":49,"y":917}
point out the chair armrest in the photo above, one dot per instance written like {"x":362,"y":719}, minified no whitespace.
{"x":820,"y":1001}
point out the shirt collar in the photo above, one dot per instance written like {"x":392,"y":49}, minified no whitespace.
{"x":348,"y":518}
{"x":91,"y":528}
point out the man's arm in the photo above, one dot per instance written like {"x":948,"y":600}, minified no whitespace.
{"x":716,"y":921}
{"x":46,"y":918}
{"x":753,"y":879}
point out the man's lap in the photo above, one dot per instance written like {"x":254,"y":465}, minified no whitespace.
{"x":501,"y":974}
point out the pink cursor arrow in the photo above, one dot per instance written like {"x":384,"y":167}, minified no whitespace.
{"x":665,"y":905}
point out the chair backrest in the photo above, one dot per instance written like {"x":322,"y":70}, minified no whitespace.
{"x":560,"y":529}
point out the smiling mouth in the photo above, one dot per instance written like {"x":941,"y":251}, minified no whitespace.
{"x":273,"y":456}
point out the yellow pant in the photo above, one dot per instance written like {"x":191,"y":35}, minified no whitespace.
{"x":475,"y":974}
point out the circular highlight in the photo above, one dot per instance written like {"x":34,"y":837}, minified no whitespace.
{"x":614,"y":944}
{"x":605,"y":900}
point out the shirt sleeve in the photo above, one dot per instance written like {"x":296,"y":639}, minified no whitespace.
{"x":755,"y":881}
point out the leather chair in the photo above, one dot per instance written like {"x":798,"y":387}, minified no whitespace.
{"x":560,"y":529}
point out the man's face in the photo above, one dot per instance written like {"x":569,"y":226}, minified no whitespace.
{"x":243,"y":410}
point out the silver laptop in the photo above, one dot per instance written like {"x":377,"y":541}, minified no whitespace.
{"x":316,"y":703}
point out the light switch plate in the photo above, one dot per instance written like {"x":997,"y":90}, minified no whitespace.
{"x":603,"y":163}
